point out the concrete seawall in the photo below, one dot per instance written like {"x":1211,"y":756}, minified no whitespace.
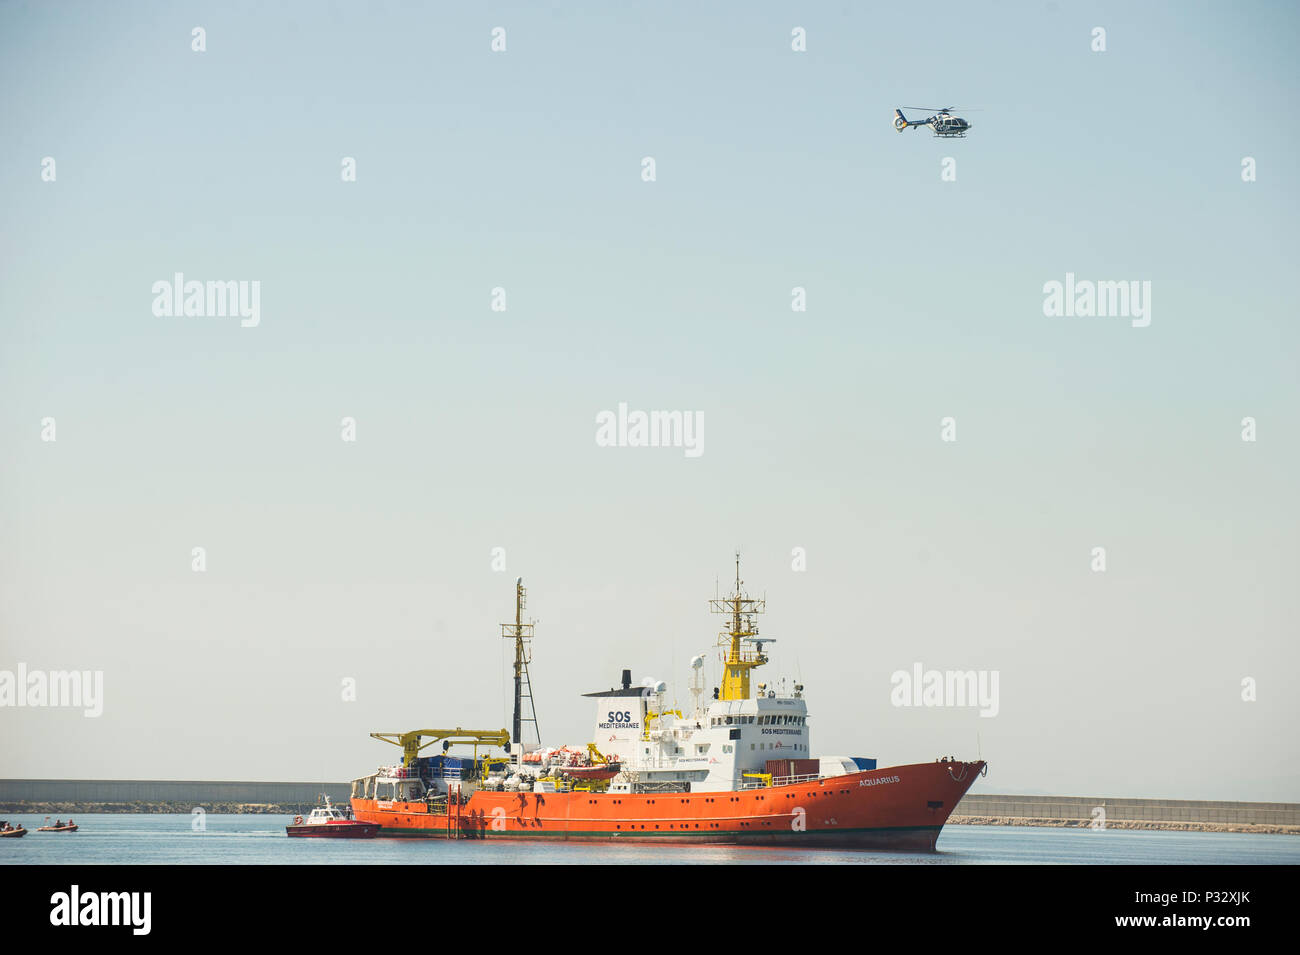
{"x":118,"y":792}
{"x":992,"y":809}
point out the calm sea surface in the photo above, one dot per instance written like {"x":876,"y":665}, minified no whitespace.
{"x":115,"y":839}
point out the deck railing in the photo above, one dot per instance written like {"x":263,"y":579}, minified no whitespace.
{"x":784,"y":781}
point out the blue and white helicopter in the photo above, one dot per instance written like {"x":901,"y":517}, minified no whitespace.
{"x":943,"y":123}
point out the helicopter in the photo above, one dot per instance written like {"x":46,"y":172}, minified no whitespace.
{"x":944,"y":124}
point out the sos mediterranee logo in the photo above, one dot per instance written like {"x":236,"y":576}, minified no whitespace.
{"x":618,"y":719}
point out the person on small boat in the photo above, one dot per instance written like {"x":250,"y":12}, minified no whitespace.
{"x":70,"y":823}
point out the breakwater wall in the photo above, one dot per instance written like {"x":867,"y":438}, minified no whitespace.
{"x":1078,"y":809}
{"x":16,"y":792}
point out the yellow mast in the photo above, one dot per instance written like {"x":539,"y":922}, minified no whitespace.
{"x":738,"y":662}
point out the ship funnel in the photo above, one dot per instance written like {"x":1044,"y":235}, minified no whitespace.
{"x":627,"y":679}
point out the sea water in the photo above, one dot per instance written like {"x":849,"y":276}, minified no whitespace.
{"x":122,"y":839}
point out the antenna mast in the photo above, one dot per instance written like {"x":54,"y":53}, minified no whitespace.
{"x":522,"y":634}
{"x":738,"y":661}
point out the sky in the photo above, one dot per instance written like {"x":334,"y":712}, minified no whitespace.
{"x":372,"y":560}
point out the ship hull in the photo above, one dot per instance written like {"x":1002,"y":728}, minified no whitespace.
{"x":901,"y":807}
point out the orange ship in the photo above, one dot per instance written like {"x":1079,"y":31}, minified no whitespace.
{"x":735,"y":771}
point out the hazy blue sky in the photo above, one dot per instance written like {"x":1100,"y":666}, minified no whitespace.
{"x":475,"y":428}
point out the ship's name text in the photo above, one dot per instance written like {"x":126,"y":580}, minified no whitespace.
{"x":878,"y":781}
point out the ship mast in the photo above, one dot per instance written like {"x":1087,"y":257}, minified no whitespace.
{"x":737,"y":662}
{"x":522,"y":634}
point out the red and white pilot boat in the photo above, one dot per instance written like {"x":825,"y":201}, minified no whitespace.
{"x":327,"y":822}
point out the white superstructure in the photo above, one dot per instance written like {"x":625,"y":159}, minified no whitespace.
{"x":711,"y":748}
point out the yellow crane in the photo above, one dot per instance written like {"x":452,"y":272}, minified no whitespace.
{"x":651,"y":715}
{"x":411,"y":745}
